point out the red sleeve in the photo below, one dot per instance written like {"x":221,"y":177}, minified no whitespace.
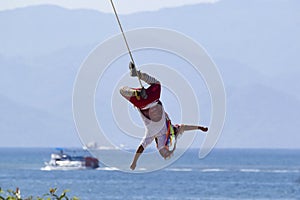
{"x":153,"y":93}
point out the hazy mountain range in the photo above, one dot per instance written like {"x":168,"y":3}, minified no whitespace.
{"x":255,"y":44}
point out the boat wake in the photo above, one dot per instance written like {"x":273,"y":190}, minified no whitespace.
{"x":55,"y":168}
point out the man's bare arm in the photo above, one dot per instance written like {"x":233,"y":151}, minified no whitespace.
{"x":138,"y":152}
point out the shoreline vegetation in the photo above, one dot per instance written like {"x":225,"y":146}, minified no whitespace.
{"x":51,"y":195}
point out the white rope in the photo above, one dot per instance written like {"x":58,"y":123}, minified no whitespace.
{"x":127,"y":45}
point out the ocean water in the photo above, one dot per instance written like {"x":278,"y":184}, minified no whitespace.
{"x":224,"y":174}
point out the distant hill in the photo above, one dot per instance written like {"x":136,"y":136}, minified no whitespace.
{"x":255,"y":45}
{"x":23,"y":126}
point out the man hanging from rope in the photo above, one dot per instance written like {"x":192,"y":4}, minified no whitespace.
{"x":158,"y":124}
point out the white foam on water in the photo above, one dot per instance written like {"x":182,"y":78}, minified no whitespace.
{"x":49,"y":168}
{"x":214,"y":170}
{"x":269,"y":171}
{"x":179,"y":169}
{"x":108,"y":169}
{"x":283,"y":171}
{"x":250,"y":170}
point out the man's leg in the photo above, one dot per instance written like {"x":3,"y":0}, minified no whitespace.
{"x":163,"y":151}
{"x":148,"y":79}
{"x":166,"y":154}
{"x":182,"y":128}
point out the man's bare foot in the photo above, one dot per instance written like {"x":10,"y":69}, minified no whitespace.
{"x":204,"y":129}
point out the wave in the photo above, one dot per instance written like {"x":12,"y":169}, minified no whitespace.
{"x":269,"y":170}
{"x":245,"y":170}
{"x":214,"y":170}
{"x":108,"y":169}
{"x":179,"y":169}
{"x":250,"y":170}
{"x":49,"y":168}
{"x":285,"y":171}
{"x":117,"y":169}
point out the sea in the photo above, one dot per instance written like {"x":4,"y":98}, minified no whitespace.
{"x":225,"y":174}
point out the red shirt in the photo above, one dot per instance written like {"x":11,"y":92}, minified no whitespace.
{"x":153,"y":93}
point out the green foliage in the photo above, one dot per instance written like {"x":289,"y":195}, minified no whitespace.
{"x":52,"y":195}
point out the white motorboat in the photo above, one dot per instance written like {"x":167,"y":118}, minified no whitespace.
{"x":63,"y":161}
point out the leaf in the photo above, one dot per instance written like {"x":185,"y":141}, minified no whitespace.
{"x":13,"y":195}
{"x":52,"y":190}
{"x":66,"y":191}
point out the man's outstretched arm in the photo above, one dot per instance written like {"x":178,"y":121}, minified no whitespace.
{"x":143,"y":76}
{"x":138,"y":152}
{"x":148,"y":78}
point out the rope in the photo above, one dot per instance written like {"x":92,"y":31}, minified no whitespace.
{"x":127,"y":45}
